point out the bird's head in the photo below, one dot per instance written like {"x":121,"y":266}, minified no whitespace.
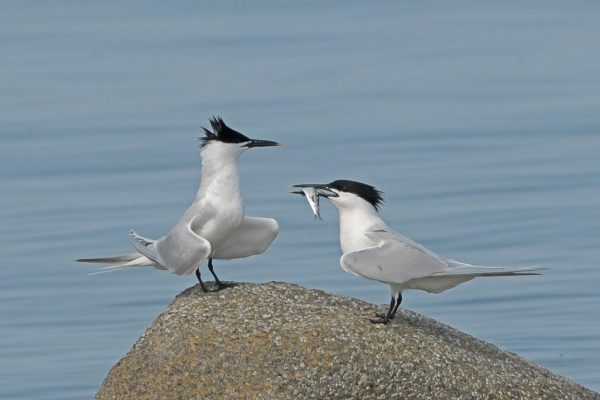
{"x":348,"y":194}
{"x":224,"y":139}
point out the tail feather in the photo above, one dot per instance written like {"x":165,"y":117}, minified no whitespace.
{"x":112,"y":268}
{"x":122,"y":261}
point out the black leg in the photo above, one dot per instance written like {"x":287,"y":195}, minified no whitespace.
{"x":385,"y":318}
{"x":212,"y":271}
{"x":200,"y":279}
{"x":398,"y":301}
{"x":220,"y":284}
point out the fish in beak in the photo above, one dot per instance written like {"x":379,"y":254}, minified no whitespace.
{"x":312,"y":192}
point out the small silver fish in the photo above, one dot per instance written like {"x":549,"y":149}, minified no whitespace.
{"x":312,"y":196}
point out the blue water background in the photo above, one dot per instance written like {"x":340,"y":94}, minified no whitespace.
{"x":479,"y":120}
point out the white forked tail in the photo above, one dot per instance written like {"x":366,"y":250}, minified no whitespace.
{"x":120,"y":262}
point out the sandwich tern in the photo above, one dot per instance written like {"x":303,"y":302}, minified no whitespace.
{"x":372,"y":250}
{"x":214,"y":226}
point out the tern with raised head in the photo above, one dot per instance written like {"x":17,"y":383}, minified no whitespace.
{"x":373,"y":250}
{"x":214,"y":226}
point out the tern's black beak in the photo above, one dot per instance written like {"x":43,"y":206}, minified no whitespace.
{"x":322,"y":189}
{"x":261,"y":143}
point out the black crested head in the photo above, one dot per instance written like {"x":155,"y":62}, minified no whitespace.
{"x":362,"y":190}
{"x":222,"y":133}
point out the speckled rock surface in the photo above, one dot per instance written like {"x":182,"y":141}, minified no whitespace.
{"x":282,"y":341}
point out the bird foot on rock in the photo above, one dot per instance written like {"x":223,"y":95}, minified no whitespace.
{"x":224,"y":285}
{"x":211,"y":287}
{"x":381,"y":320}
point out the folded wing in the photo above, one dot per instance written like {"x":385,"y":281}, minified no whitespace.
{"x":391,"y":260}
{"x":399,"y":261}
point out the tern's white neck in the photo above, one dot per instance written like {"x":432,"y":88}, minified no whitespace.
{"x":357,"y":216}
{"x":220,"y":177}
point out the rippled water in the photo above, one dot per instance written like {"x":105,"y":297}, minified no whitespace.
{"x":480,"y":123}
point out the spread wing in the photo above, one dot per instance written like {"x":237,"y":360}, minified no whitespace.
{"x":252,"y":237}
{"x":394,"y":259}
{"x":180,"y":251}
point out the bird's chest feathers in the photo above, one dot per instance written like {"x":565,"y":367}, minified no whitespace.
{"x":223,"y":198}
{"x":352,"y":233}
{"x":228,"y":207}
{"x":223,"y":190}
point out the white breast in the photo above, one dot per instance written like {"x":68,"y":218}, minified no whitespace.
{"x":353,"y":226}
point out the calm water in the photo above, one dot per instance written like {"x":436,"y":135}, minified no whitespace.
{"x":481,"y":123}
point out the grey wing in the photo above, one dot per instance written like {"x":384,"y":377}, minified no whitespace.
{"x":180,"y":251}
{"x":252,"y":237}
{"x":394,"y":259}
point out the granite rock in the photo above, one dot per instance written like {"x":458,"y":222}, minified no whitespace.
{"x":282,"y":341}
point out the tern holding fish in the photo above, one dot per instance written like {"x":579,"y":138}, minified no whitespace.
{"x":374,"y":251}
{"x":214,"y":226}
{"x":312,"y":196}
